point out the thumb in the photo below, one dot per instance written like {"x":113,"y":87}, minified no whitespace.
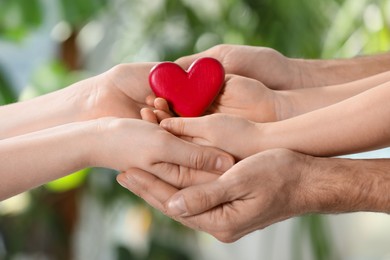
{"x":198,"y":199}
{"x":186,"y":61}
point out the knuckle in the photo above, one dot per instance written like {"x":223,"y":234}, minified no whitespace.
{"x":184,"y":178}
{"x":118,"y":70}
{"x":197,"y":160}
{"x":221,"y":48}
{"x":225,"y":237}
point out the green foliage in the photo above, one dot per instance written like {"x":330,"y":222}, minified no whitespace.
{"x":7,"y":95}
{"x":166,"y":30}
{"x":18,"y":17}
{"x":77,"y":13}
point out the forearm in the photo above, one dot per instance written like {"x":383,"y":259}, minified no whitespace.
{"x":56,"y":108}
{"x":292,"y":103}
{"x":30,"y":160}
{"x":316,"y":73}
{"x":356,"y":124}
{"x":333,"y":185}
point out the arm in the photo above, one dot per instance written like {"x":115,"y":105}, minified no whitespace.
{"x":119,"y":92}
{"x":296,"y":184}
{"x":281,"y":73}
{"x":291,"y":103}
{"x":35,"y":158}
{"x":356,"y":124}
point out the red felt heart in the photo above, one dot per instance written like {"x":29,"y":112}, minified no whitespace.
{"x":189,"y":93}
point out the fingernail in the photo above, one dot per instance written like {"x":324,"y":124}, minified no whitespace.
{"x":223,"y":163}
{"x":164,"y":123}
{"x":178,"y":206}
{"x":121,"y":182}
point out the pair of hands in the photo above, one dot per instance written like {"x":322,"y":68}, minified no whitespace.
{"x":238,"y":202}
{"x":259,"y":190}
{"x":245,"y":97}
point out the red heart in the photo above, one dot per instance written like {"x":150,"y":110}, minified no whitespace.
{"x":189,"y":93}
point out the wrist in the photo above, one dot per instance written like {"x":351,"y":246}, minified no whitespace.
{"x":333,"y":185}
{"x":284,"y":104}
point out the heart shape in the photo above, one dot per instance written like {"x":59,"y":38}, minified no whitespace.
{"x":189,"y":93}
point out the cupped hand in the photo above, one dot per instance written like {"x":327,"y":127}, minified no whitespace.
{"x":119,"y":92}
{"x":264,"y":64}
{"x":240,"y":96}
{"x":255,"y":193}
{"x":122,"y":144}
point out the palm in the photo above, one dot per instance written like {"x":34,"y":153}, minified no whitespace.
{"x":126,"y":92}
{"x":247,"y":98}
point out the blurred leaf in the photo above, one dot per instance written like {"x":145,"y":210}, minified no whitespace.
{"x":69,"y":182}
{"x":77,"y":13}
{"x":19,"y":17}
{"x":7,"y":95}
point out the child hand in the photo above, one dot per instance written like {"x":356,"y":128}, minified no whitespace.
{"x":233,"y":134}
{"x":159,"y":112}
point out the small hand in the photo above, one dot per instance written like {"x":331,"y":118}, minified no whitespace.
{"x":240,"y":96}
{"x":158,"y":111}
{"x":248,"y":98}
{"x":255,"y":193}
{"x":235,"y":135}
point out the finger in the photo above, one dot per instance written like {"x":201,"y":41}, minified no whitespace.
{"x":147,"y":114}
{"x":161,"y":104}
{"x":186,"y":61}
{"x":197,"y":157}
{"x":195,"y":200}
{"x":181,"y":177}
{"x":185,"y":126}
{"x":161,"y":115}
{"x":147,"y":186}
{"x":149,"y":100}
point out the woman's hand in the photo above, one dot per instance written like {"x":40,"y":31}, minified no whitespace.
{"x":115,"y":143}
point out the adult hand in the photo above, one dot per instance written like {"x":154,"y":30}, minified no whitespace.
{"x":235,"y":135}
{"x":119,"y":92}
{"x":263,"y":64}
{"x":255,"y":193}
{"x":130,"y":143}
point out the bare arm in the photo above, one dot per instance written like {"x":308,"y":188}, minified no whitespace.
{"x":35,"y":158}
{"x":313,"y":73}
{"x":292,"y":103}
{"x":282,"y":73}
{"x":119,"y":92}
{"x":359,"y":123}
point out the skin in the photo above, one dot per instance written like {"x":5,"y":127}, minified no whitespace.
{"x":69,"y":130}
{"x":119,"y":92}
{"x":282,"y":73}
{"x":238,"y":202}
{"x":314,"y":133}
{"x":251,"y":99}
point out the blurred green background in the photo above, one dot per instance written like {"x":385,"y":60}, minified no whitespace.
{"x":48,"y":44}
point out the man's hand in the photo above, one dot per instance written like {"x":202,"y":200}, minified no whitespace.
{"x":267,"y":188}
{"x":263,"y":64}
{"x":256,"y":192}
